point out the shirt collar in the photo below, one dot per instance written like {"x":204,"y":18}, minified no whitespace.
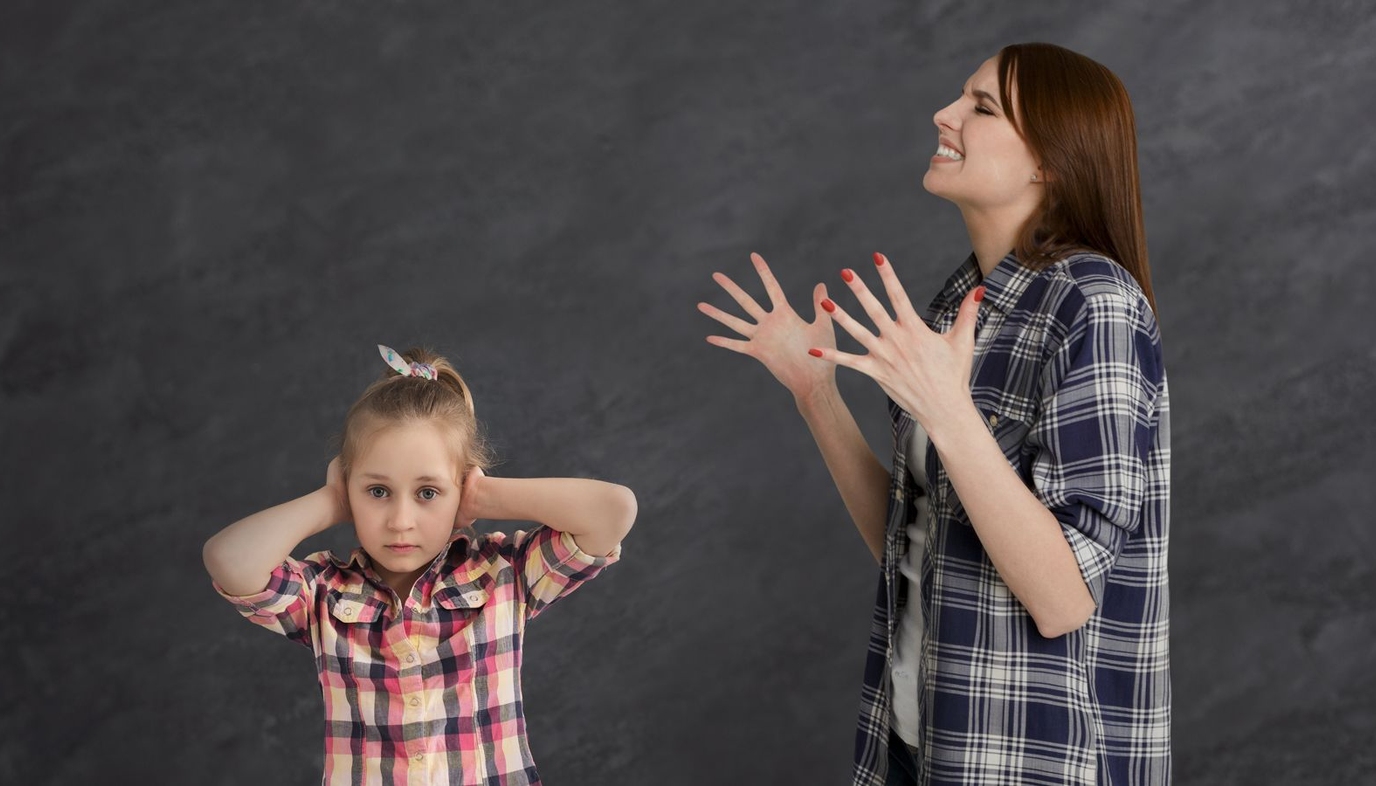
{"x":1003,"y":287}
{"x":359,"y":561}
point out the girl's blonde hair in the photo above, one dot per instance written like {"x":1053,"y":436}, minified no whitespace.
{"x":396,"y":398}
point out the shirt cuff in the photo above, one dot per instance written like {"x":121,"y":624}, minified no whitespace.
{"x":270,"y":601}
{"x":570,"y":558}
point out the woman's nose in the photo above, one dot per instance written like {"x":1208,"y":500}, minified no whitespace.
{"x":946,"y":116}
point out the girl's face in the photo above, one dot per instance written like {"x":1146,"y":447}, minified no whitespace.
{"x":404,"y":494}
{"x":981,"y":162}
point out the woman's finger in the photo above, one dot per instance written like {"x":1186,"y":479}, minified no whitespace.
{"x":737,"y":324}
{"x":898,"y":297}
{"x":771,"y":284}
{"x":733,"y":344}
{"x":819,"y":293}
{"x":862,"y":363}
{"x":857,"y":331}
{"x":963,"y":329}
{"x":878,"y":315}
{"x":740,"y":296}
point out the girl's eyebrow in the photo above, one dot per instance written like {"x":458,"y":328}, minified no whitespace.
{"x":421,"y":479}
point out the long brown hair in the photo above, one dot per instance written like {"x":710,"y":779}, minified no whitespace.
{"x":1077,"y":120}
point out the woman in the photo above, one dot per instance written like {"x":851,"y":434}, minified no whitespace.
{"x":1034,"y":648}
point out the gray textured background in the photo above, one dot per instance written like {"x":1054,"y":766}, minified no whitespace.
{"x":212,"y":211}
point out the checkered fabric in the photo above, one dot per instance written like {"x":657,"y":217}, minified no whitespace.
{"x":425,"y":690}
{"x":1068,"y":375}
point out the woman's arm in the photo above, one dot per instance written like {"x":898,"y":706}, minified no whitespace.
{"x":859,"y":477}
{"x":928,"y":374}
{"x":780,"y":339}
{"x":1022,"y":537}
{"x":596,"y":513}
{"x":241,"y":557}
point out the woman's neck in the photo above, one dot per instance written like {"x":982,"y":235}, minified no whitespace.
{"x":993,"y":234}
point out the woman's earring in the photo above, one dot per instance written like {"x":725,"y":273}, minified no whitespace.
{"x":1034,"y":177}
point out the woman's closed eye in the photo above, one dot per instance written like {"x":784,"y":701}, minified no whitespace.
{"x":984,"y":110}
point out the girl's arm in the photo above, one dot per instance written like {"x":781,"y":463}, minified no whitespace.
{"x":780,"y":339}
{"x":596,"y":513}
{"x":241,"y":557}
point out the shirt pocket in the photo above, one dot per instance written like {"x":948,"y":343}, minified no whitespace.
{"x":1009,"y":419}
{"x":476,"y":607}
{"x":352,"y":608}
{"x":348,"y":643}
{"x":1009,"y":424}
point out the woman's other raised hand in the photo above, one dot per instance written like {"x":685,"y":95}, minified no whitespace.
{"x":779,"y":338}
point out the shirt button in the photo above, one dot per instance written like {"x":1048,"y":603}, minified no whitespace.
{"x":473,"y":597}
{"x":417,"y":755}
{"x":993,"y":421}
{"x":410,"y":658}
{"x":349,"y":611}
{"x":415,"y":702}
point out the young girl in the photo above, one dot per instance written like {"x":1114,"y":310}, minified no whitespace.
{"x":417,"y":635}
{"x":1027,"y":642}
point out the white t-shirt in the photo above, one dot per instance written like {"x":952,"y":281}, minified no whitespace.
{"x":907,"y":646}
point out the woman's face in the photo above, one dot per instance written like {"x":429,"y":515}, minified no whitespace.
{"x":981,"y":163}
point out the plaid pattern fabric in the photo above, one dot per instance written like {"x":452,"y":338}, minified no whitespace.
{"x":425,"y":691}
{"x":1068,"y":375}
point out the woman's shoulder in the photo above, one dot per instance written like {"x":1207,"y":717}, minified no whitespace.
{"x":1082,"y":283}
{"x":1092,"y":274}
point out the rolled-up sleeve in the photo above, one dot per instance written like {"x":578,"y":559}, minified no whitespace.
{"x":550,"y":565}
{"x":285,"y":605}
{"x":1097,"y":423}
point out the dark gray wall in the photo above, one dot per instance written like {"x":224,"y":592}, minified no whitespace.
{"x":211,"y":212}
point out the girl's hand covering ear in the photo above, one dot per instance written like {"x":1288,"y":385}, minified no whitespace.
{"x":778,"y":338}
{"x":334,"y":481}
{"x":926,"y":373}
{"x":469,"y":498}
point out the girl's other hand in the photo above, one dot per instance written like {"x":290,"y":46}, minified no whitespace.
{"x":468,"y":499}
{"x":778,"y":338}
{"x":334,"y":482}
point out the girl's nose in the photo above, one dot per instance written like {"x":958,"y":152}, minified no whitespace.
{"x":400,"y":520}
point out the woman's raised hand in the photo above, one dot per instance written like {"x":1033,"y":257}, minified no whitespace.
{"x":924,"y":372}
{"x":778,"y":338}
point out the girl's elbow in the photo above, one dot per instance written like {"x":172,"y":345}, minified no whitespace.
{"x":211,"y":557}
{"x":623,"y":508}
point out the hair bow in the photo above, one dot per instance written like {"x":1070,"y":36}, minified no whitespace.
{"x":423,"y":370}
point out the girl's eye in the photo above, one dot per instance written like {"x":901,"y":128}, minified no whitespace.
{"x":428,"y":494}
{"x":377,"y":492}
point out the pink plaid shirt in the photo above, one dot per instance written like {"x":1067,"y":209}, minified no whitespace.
{"x":425,"y":691}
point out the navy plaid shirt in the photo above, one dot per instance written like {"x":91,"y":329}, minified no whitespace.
{"x":1068,"y":375}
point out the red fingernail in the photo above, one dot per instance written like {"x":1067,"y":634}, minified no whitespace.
{"x":815,"y":352}
{"x":979,"y":294}
{"x":828,"y":305}
{"x":847,"y":275}
{"x":878,"y":259}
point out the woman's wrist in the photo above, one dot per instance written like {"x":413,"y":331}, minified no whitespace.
{"x":821,"y":398}
{"x":956,"y":428}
